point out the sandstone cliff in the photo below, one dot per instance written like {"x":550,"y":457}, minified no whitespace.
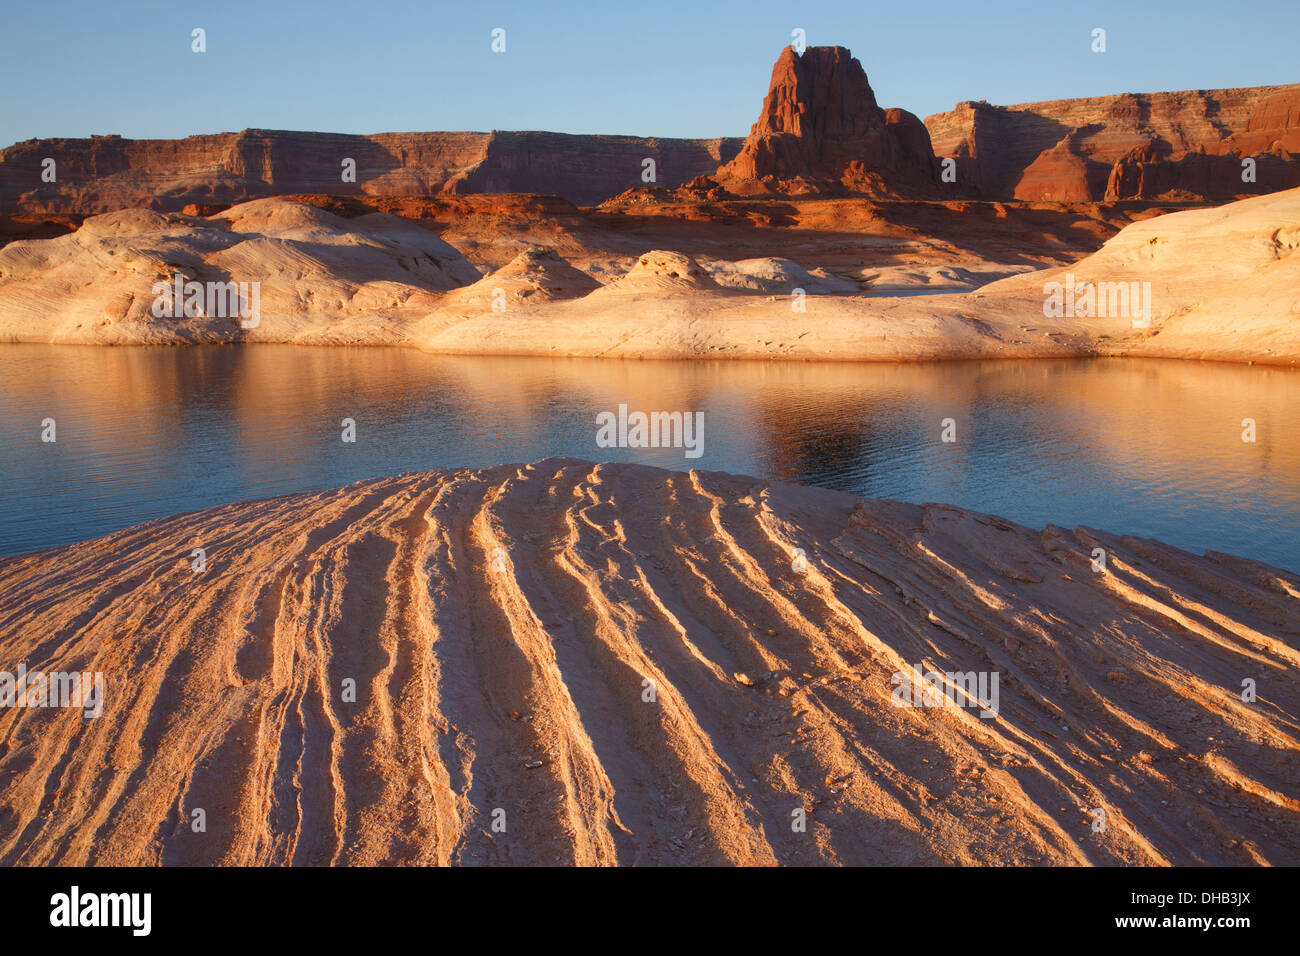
{"x":586,"y":169}
{"x":105,"y":173}
{"x":1184,"y":146}
{"x":820,"y":131}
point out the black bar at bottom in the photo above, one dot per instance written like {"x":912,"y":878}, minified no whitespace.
{"x":744,"y":907}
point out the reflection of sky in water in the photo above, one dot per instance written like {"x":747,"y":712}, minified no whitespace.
{"x":1143,"y":447}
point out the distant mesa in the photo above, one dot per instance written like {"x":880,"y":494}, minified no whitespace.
{"x":104,"y":173}
{"x":1182,"y":146}
{"x":820,"y":132}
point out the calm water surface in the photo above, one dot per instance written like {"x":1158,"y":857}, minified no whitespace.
{"x":1143,"y":447}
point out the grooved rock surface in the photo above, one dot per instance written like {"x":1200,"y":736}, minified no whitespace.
{"x":500,"y":627}
{"x":105,"y":173}
{"x":1067,"y":150}
{"x":820,"y":129}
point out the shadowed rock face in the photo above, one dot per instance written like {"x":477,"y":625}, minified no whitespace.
{"x":1186,"y":145}
{"x":587,"y":169}
{"x":106,"y":173}
{"x":821,"y":130}
{"x":1148,"y":171}
{"x":639,"y":666}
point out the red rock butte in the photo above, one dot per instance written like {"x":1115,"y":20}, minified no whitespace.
{"x":821,"y":130}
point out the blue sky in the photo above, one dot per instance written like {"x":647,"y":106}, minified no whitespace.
{"x":664,"y":68}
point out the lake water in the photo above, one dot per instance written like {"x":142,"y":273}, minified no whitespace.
{"x":1142,"y":447}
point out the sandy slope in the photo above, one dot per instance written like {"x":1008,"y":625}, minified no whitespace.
{"x":1224,"y":284}
{"x":513,"y":679}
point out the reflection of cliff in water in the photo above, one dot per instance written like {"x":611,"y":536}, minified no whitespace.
{"x":1139,"y":446}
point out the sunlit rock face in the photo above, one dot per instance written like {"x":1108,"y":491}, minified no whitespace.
{"x":1185,"y":146}
{"x":820,"y":129}
{"x":629,"y":665}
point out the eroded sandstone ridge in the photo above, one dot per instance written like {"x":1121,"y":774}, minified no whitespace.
{"x":1184,"y":146}
{"x":109,"y":282}
{"x":105,"y":173}
{"x":821,"y":130}
{"x":626,"y":665}
{"x":1215,"y":283}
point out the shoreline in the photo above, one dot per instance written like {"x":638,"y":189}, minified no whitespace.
{"x":1270,"y":362}
{"x":668,"y":353}
{"x":1265,"y":362}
